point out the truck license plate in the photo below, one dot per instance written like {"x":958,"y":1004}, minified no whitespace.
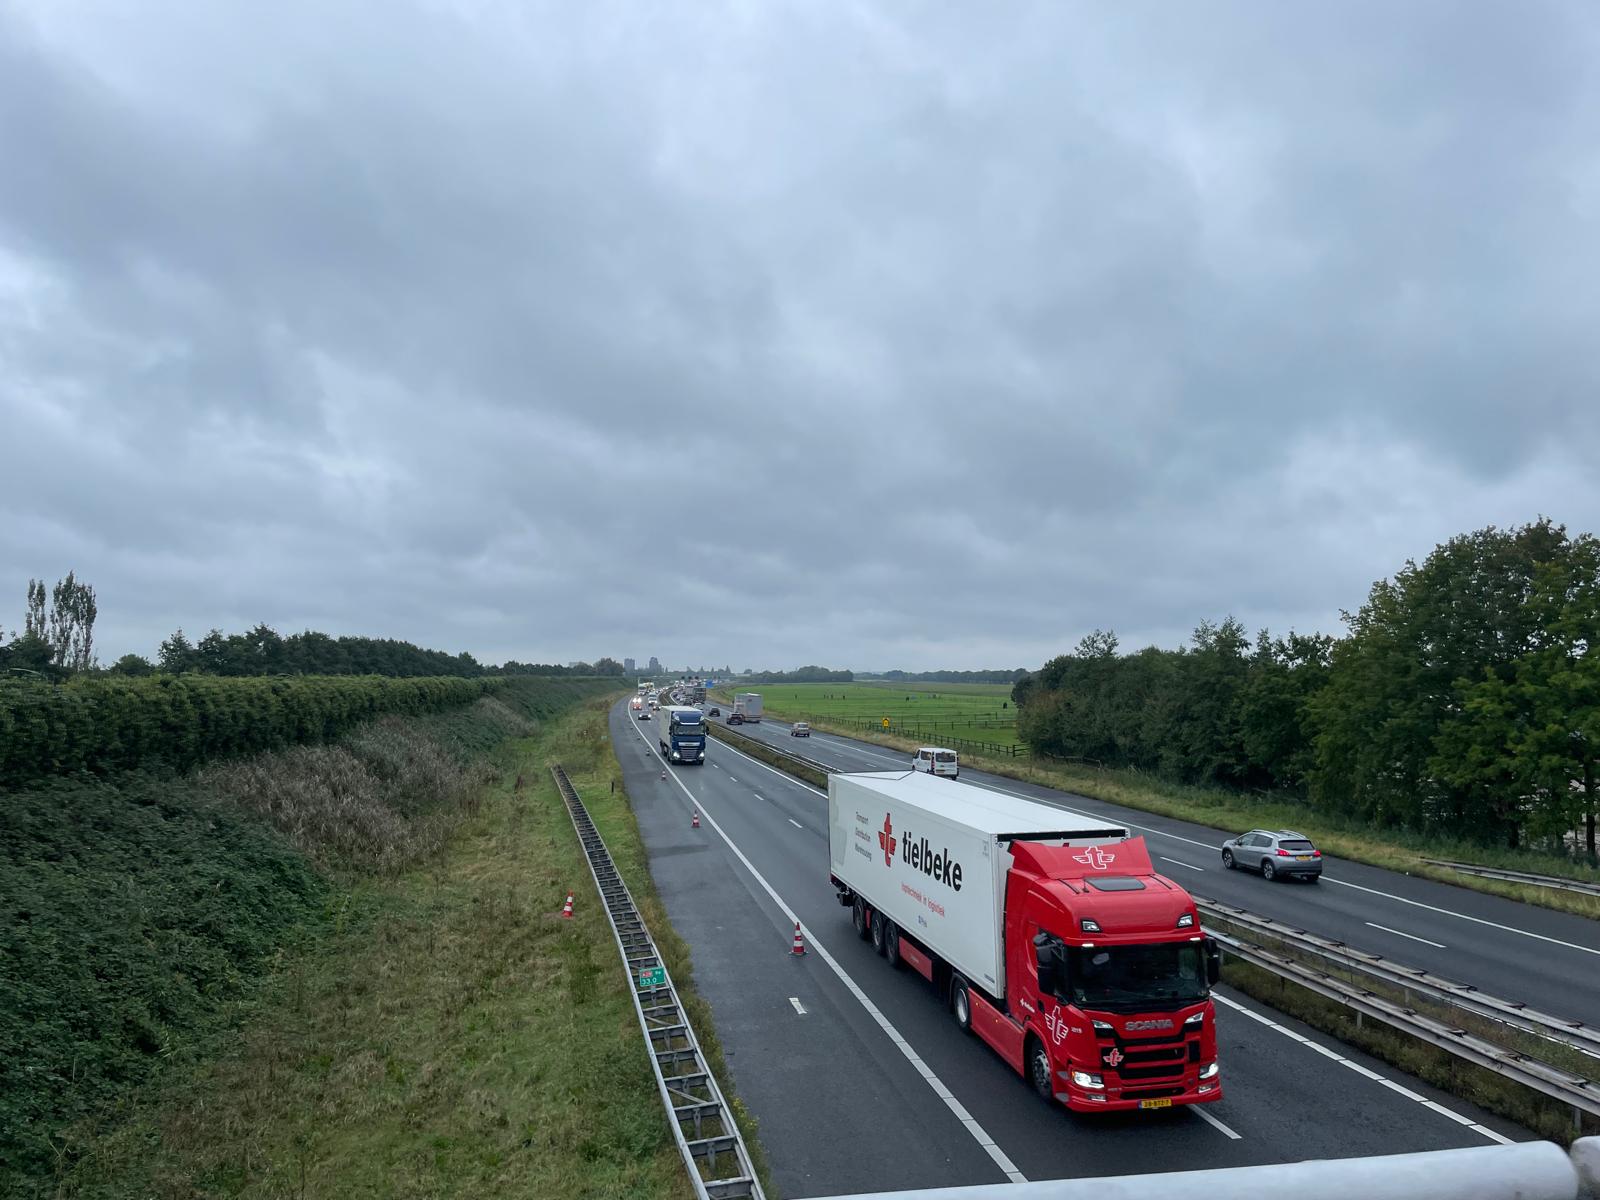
{"x":1155,"y":1103}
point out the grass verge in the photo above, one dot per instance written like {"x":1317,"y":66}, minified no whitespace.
{"x":448,"y":1034}
{"x":1231,"y":812}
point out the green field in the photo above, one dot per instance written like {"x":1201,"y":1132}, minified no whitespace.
{"x":938,"y":712}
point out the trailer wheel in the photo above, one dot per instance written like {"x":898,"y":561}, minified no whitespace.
{"x":961,"y":1004}
{"x":1039,"y":1070}
{"x":878,"y":940}
{"x":858,"y":918}
{"x":891,"y":945}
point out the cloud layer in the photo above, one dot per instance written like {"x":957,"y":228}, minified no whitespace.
{"x":875,"y":335}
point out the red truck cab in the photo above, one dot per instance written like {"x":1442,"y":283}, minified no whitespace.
{"x":1108,"y":976}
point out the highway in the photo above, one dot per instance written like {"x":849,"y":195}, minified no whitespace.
{"x":857,"y":1075}
{"x":1547,"y":959}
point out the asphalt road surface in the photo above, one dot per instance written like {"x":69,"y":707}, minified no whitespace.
{"x":860,"y":1080}
{"x":1547,"y":959}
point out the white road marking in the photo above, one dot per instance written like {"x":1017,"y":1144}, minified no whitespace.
{"x":798,"y":1007}
{"x":1463,"y":916}
{"x":1199,"y":1110}
{"x":1366,"y":1072}
{"x":1180,"y":863}
{"x":795,"y":823}
{"x":1325,"y":879}
{"x":784,"y":775}
{"x":1412,"y":936}
{"x":979,"y":1134}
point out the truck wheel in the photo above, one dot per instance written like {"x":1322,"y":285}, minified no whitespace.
{"x":1039,"y":1071}
{"x":858,"y":918}
{"x":878,"y":941}
{"x":1268,"y":871}
{"x":891,"y":945}
{"x":961,"y":1004}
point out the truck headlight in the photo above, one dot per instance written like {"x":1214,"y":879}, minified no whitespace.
{"x":1085,"y":1080}
{"x":1195,"y":1020}
{"x":1101,"y":1029}
{"x":1209,"y":1071}
{"x":674,"y":756}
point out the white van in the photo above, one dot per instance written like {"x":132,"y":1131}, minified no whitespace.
{"x":936,"y":760}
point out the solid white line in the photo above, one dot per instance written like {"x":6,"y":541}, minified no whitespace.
{"x":1412,"y":936}
{"x":1451,"y":913}
{"x":795,"y":823}
{"x":784,"y":775}
{"x":955,"y":1106}
{"x":1199,"y":1110}
{"x":1365,"y":1072}
{"x":1179,"y":862}
{"x":798,"y":1007}
{"x":1325,"y":878}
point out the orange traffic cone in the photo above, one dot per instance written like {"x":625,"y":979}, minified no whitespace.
{"x":799,"y":941}
{"x":695,"y":824}
{"x":566,"y":909}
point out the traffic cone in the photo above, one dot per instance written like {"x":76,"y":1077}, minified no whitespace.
{"x":566,"y":909}
{"x":663,"y":772}
{"x":799,"y":941}
{"x":695,"y":824}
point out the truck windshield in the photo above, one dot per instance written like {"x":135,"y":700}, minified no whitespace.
{"x":1116,"y":977}
{"x":683,"y":729}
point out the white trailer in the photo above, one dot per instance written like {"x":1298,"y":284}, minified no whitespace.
{"x":746,"y":707}
{"x":932,"y":855}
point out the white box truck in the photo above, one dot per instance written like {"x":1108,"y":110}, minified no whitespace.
{"x":746,"y":707}
{"x":1049,"y":933}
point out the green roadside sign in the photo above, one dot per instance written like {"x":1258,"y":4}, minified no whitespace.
{"x":653,"y":977}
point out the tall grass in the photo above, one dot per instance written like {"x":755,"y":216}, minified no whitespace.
{"x":141,"y":911}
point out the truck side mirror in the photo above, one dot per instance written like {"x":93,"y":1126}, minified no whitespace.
{"x":1213,"y":961}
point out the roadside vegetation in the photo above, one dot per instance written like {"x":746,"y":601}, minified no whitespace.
{"x":981,"y":712}
{"x":168,"y":934}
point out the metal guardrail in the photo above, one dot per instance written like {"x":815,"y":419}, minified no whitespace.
{"x":1582,"y":1094}
{"x":1521,"y":1171}
{"x":708,"y":1137}
{"x":1528,"y":877}
{"x":1574,"y":1034}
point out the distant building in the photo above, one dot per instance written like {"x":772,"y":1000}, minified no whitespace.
{"x":655,"y":665}
{"x":628,"y":666}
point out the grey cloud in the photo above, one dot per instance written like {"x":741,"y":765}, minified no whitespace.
{"x":928,"y":336}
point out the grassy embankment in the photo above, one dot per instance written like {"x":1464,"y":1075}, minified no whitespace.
{"x":381,"y":997}
{"x":1225,"y":811}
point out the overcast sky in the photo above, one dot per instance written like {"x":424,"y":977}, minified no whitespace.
{"x":873,"y":335}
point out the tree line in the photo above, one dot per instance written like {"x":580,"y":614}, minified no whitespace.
{"x":57,"y":643}
{"x":1464,"y":697}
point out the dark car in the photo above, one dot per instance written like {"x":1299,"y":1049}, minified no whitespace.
{"x":715,"y":712}
{"x":1274,"y":852}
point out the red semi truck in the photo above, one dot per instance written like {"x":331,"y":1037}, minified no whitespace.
{"x":1049,"y":933}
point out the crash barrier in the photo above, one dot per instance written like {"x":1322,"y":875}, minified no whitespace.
{"x":814,"y":773}
{"x":1528,"y":877}
{"x":1522,"y":1171}
{"x":1578,"y":1092}
{"x":708,"y":1137}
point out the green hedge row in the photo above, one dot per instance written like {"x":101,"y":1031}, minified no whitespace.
{"x":103,"y":725}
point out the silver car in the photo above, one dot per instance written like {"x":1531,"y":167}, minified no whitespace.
{"x":1274,"y":852}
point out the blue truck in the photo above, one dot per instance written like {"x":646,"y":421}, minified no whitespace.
{"x":681,"y":732}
